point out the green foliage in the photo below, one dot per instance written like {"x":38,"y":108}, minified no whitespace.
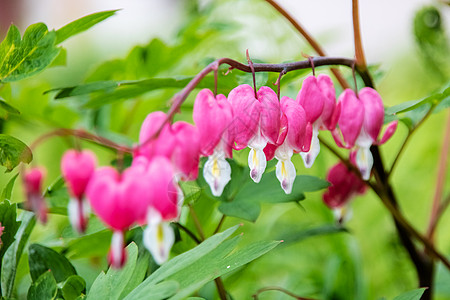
{"x":14,"y":253}
{"x":242,"y":197}
{"x":43,"y":288}
{"x":113,"y":284}
{"x":41,"y":259}
{"x":432,"y":41}
{"x":8,"y":217}
{"x":82,"y":24}
{"x":8,"y":108}
{"x":412,"y":112}
{"x":7,"y":190}
{"x":13,"y":151}
{"x":73,"y":287}
{"x":411,"y":295}
{"x":191,"y":270}
{"x":21,"y":58}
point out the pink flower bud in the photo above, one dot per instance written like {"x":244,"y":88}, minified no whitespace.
{"x":33,"y":187}
{"x":344,"y":185}
{"x":77,"y":168}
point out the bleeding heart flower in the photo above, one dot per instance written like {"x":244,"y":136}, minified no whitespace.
{"x":345,"y":184}
{"x":317,"y":97}
{"x":186,"y":153}
{"x":163,"y":145}
{"x":33,"y":187}
{"x":360,"y":123}
{"x":213,"y":117}
{"x":256,"y":123}
{"x":119,"y":200}
{"x":165,"y":204}
{"x":293,"y":138}
{"x":77,"y":169}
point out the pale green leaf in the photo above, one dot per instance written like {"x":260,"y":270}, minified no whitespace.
{"x":13,"y":151}
{"x":82,"y":24}
{"x":411,"y":295}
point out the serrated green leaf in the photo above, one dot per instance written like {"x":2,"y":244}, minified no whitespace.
{"x":411,"y":295}
{"x":82,"y":24}
{"x":23,"y":58}
{"x":43,"y":288}
{"x":8,"y":215}
{"x":72,"y":288}
{"x":13,"y":254}
{"x":8,"y":108}
{"x":7,"y":190}
{"x":13,"y":151}
{"x":42,"y":259}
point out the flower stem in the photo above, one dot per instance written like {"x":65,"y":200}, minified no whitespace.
{"x":442,"y":165}
{"x":359,"y":51}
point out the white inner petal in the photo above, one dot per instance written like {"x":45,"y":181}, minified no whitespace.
{"x":74,"y":213}
{"x":217,"y":172}
{"x":310,"y":156}
{"x":286,"y":174}
{"x":364,"y":161}
{"x":159,"y":239}
{"x":117,"y":244}
{"x":257,"y":163}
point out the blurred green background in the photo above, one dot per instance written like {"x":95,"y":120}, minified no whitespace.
{"x":365,"y":262}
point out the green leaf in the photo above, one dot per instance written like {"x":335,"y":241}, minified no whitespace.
{"x":159,"y":291}
{"x":214,"y":257}
{"x":411,"y":295}
{"x":182,"y":261}
{"x":142,"y":265}
{"x":13,"y":254}
{"x":112,"y":284}
{"x":82,"y":24}
{"x":57,"y":197}
{"x":42,"y":259}
{"x":95,"y":244}
{"x":241,"y":209}
{"x":246,"y":203}
{"x":8,"y":108}
{"x":8,"y":214}
{"x":7,"y":190}
{"x":13,"y":151}
{"x":23,"y":58}
{"x":43,"y":288}
{"x":292,"y":237}
{"x":222,"y":260}
{"x":60,"y":60}
{"x":73,"y":287}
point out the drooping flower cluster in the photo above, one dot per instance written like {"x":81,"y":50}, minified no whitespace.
{"x":148,"y":192}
